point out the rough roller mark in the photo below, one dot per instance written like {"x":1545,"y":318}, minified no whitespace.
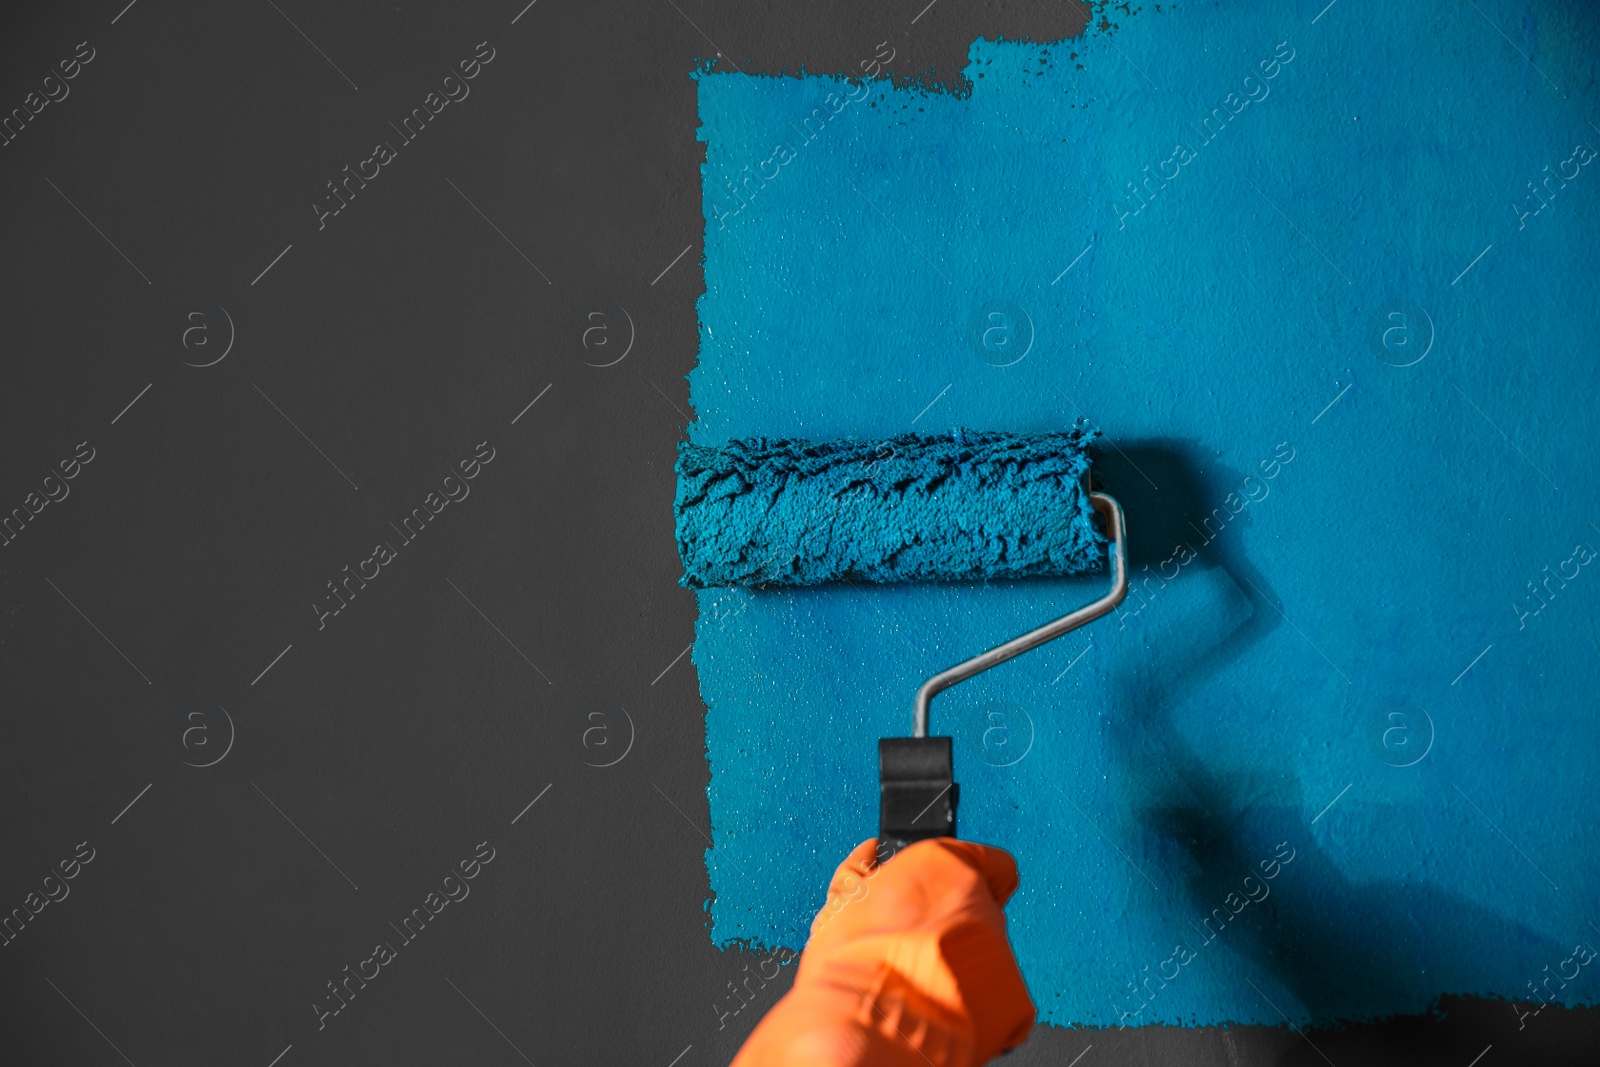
{"x":958,"y":506}
{"x":1335,"y":659}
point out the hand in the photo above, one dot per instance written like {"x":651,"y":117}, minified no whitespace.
{"x":908,"y":964}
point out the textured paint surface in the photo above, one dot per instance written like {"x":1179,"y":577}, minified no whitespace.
{"x":1338,"y":755}
{"x":958,"y":506}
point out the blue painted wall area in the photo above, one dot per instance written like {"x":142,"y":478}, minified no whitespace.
{"x":1329,"y":289}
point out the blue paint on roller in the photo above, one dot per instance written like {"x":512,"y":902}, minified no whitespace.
{"x":1354,"y":447}
{"x":963,"y":505}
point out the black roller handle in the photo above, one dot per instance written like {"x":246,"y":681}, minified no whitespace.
{"x":917,"y":792}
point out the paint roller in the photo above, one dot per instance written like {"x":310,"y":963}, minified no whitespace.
{"x":963,"y":505}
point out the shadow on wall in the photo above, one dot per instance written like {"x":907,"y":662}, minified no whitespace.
{"x":1345,"y":951}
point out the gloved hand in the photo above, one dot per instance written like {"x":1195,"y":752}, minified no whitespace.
{"x":908,"y":965}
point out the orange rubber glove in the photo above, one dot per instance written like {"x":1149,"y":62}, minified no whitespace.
{"x":908,"y":965}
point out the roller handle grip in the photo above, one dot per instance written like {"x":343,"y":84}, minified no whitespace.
{"x":917,"y":792}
